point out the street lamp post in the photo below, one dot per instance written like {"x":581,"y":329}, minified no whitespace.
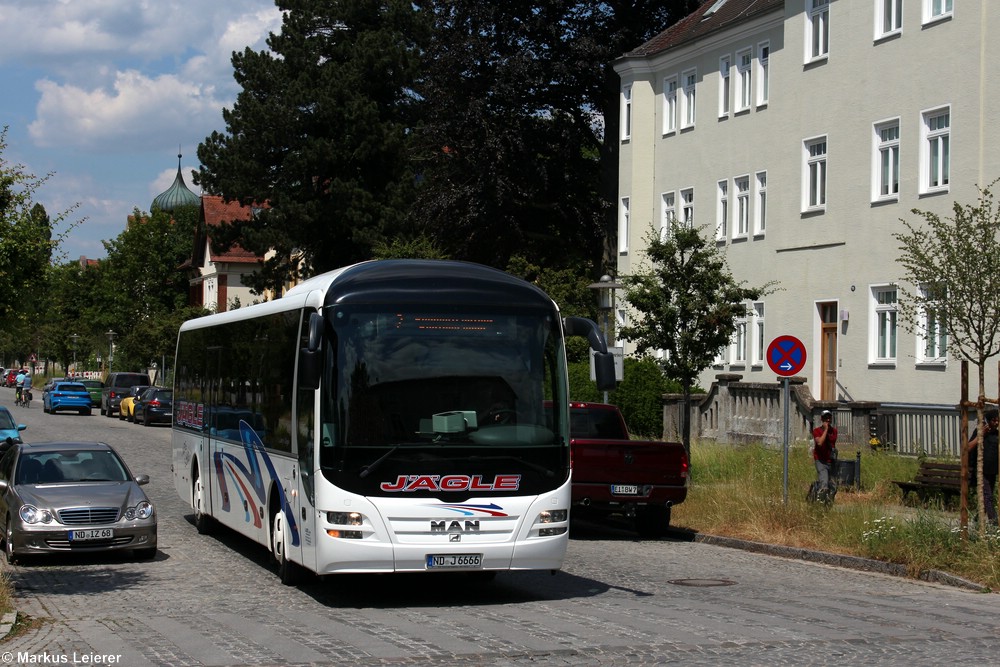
{"x":74,"y":338}
{"x":111,"y":348}
{"x":606,"y":287}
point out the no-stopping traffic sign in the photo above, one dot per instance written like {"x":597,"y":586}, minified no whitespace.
{"x":786,"y":355}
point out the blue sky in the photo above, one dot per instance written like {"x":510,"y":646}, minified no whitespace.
{"x":102,"y":94}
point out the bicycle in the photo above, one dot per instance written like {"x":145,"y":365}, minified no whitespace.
{"x":23,"y":398}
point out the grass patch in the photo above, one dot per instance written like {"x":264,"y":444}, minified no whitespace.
{"x":738,"y":491}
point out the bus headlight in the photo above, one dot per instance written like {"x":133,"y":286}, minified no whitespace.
{"x":550,"y":517}
{"x":345,"y":519}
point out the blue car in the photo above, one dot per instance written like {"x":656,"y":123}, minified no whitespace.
{"x":67,"y":396}
{"x":9,"y":429}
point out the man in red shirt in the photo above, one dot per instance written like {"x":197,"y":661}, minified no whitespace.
{"x":824,"y":442}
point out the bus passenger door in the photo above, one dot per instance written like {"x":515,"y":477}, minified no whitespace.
{"x":303,"y":487}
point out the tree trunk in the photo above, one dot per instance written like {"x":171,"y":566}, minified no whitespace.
{"x":686,"y":420}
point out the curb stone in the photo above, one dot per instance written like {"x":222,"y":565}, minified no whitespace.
{"x":840,"y":560}
{"x":7,"y":623}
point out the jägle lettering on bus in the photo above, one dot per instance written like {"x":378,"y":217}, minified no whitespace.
{"x":411,"y":483}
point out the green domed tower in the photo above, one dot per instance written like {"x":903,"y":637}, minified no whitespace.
{"x":177,"y":195}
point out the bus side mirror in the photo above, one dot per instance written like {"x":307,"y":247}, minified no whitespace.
{"x":309,"y":356}
{"x":604,"y":361}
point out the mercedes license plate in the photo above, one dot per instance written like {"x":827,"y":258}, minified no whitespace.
{"x":625,"y":489}
{"x":93,"y":534}
{"x":437,"y":562}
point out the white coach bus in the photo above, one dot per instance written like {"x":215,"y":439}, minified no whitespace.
{"x":384,"y":417}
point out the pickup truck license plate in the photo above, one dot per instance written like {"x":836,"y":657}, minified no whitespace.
{"x":437,"y":562}
{"x":624,"y":489}
{"x":94,"y":534}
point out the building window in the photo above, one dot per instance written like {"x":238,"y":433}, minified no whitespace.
{"x":724,"y":87}
{"x":935,"y":10}
{"x":740,"y":341}
{"x":626,"y":113}
{"x":886,"y":137}
{"x":668,"y":214}
{"x":742,"y":185}
{"x":935,"y":160}
{"x":763,"y":72}
{"x":932,"y":338}
{"x":758,"y":347}
{"x":884,"y":321}
{"x":670,"y":105}
{"x":722,"y":212}
{"x":888,"y":17}
{"x":688,"y":99}
{"x":744,"y":60}
{"x":687,"y":202}
{"x":623,"y":226}
{"x":814,"y":196}
{"x":817,"y":29}
{"x":760,"y":212}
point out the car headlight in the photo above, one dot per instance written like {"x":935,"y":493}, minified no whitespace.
{"x":143,"y":510}
{"x":31,"y":514}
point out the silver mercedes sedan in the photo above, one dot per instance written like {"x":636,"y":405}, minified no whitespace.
{"x":72,"y":497}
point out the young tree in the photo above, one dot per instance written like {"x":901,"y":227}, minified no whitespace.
{"x":688,"y":303}
{"x":950,"y":286}
{"x":320,"y":134}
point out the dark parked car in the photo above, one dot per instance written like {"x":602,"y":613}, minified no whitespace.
{"x":126,"y":409}
{"x":66,"y":396}
{"x":116,"y":387}
{"x":154,"y":406}
{"x":71,"y":497}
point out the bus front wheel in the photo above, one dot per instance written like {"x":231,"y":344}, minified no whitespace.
{"x":288,"y":572}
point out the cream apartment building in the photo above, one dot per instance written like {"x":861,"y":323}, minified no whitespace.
{"x":798,"y":133}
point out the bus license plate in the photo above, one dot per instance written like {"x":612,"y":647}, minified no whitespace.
{"x":625,"y":489}
{"x":436,"y":562}
{"x":94,"y":534}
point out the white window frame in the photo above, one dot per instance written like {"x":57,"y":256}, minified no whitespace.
{"x":885,"y":160}
{"x":626,"y":112}
{"x":763,"y":73}
{"x":888,"y":18}
{"x":742,"y":218}
{"x":884,"y":331}
{"x":688,"y":99}
{"x":725,"y":85}
{"x":937,"y":10}
{"x":817,"y":30}
{"x":670,"y":105}
{"x":744,"y":67}
{"x":757,"y":346}
{"x":624,"y":224}
{"x":687,"y":207}
{"x":932,"y":338}
{"x":741,"y":339}
{"x":760,"y":201}
{"x":722,"y":210}
{"x":935,"y":150}
{"x":668,"y":213}
{"x":814,"y":174}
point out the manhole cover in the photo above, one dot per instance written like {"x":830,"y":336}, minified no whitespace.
{"x":702,"y":583}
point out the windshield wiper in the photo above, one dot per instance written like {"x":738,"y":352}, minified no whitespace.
{"x":370,"y":468}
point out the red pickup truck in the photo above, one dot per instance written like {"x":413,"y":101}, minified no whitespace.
{"x":613,"y":474}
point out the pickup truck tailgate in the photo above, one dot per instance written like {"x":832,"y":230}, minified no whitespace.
{"x":629,"y":462}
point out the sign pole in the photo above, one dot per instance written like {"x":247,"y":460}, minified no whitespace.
{"x":785,"y":398}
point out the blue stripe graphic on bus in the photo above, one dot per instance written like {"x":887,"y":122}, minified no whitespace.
{"x":471,"y":510}
{"x":252,"y":446}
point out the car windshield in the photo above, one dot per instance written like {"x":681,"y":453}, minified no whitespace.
{"x":70,"y":386}
{"x":6,"y":420}
{"x":70,"y":466}
{"x":93,"y":384}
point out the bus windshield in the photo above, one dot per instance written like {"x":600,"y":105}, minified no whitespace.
{"x":451,"y":390}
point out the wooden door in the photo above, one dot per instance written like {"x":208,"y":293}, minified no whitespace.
{"x":828,"y":351}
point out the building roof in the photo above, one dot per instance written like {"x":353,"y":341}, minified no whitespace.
{"x":711,"y":16}
{"x":215,"y":211}
{"x":176,"y":195}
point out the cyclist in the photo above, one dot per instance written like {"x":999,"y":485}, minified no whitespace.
{"x":26,"y":389}
{"x":19,"y":387}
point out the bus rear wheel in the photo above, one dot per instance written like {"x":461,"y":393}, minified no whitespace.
{"x":288,"y":572}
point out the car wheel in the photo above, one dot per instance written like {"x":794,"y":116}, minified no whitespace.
{"x":131,"y":417}
{"x":8,"y":544}
{"x":85,"y":413}
{"x":288,"y":572}
{"x":145,"y":422}
{"x":202,"y":521}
